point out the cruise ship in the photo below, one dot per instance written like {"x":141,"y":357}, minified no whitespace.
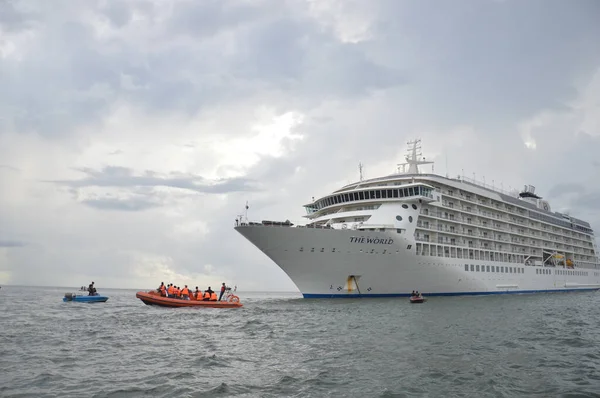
{"x":414,"y":231}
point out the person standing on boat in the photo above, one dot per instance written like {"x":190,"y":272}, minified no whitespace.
{"x":222,"y":291}
{"x":185,"y":293}
{"x":91,"y":289}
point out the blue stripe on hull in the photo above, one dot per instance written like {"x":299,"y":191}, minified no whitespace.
{"x":356,"y":295}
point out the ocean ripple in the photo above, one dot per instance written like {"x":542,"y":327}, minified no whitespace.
{"x":279,"y":345}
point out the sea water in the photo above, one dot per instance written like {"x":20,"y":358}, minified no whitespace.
{"x":281,"y":345}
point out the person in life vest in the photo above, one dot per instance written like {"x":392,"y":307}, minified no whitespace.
{"x":170,"y":291}
{"x":185,"y":293}
{"x":213,"y":296}
{"x":207,"y":294}
{"x":222,"y":291}
{"x":162,"y":289}
{"x":197,"y":294}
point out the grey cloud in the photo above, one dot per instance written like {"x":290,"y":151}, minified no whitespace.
{"x":12,"y":243}
{"x":491,"y":62}
{"x":566,"y":188}
{"x":277,"y":54}
{"x":589,"y":200}
{"x":119,"y":13}
{"x":9,"y":168}
{"x":133,"y":205}
{"x":114,"y":176}
{"x":213,"y":16}
{"x":14,"y":17}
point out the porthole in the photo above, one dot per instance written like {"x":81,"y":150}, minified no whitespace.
{"x":409,"y":218}
{"x":405,"y":206}
{"x":399,"y":218}
{"x":414,"y":206}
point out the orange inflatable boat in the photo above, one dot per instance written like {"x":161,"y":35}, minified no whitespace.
{"x":154,"y":298}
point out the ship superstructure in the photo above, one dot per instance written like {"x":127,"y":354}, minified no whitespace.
{"x":442,"y":236}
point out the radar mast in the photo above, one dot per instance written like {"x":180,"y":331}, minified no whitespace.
{"x":414,"y":158}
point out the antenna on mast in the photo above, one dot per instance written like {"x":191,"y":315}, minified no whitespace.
{"x":360,"y":171}
{"x":414,"y":157}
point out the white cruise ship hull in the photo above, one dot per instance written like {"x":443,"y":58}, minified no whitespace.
{"x":328,"y":263}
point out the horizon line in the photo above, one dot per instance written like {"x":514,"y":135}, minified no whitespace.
{"x":135,"y":288}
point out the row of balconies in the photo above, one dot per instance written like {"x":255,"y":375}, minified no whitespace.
{"x":457,"y":231}
{"x":541,"y":232}
{"x":515,"y":250}
{"x":519,"y":245}
{"x":544,"y":227}
{"x":503,"y":206}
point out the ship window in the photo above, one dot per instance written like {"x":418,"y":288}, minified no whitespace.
{"x":361,"y":195}
{"x":477,"y":268}
{"x":395,"y":191}
{"x":487,"y":268}
{"x":346,"y":198}
{"x":301,"y":249}
{"x":414,"y":206}
{"x":408,"y":247}
{"x":333,"y":250}
{"x":312,"y":250}
{"x":399,"y":231}
{"x":410,"y":218}
{"x":493,"y":268}
{"x":405,"y":206}
{"x":399,"y":218}
{"x":372,"y":194}
{"x":466,"y":267}
{"x":322,"y":249}
{"x":378,"y":194}
{"x":472,"y":268}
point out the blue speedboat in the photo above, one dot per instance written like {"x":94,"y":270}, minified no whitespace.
{"x":84,"y":298}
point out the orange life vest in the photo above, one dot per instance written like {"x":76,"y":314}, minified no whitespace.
{"x":213,"y":296}
{"x":185,"y":292}
{"x":170,"y":290}
{"x":163,"y":290}
{"x":206,"y":295}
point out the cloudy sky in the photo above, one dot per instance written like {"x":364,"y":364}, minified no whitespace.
{"x":133,"y":132}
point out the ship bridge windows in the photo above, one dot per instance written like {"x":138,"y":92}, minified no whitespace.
{"x":370,"y":195}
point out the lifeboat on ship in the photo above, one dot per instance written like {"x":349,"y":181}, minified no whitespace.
{"x":154,"y":298}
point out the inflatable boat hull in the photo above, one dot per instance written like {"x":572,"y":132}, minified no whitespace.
{"x":153,"y":298}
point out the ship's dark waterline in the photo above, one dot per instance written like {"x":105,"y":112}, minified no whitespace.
{"x":280,"y":345}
